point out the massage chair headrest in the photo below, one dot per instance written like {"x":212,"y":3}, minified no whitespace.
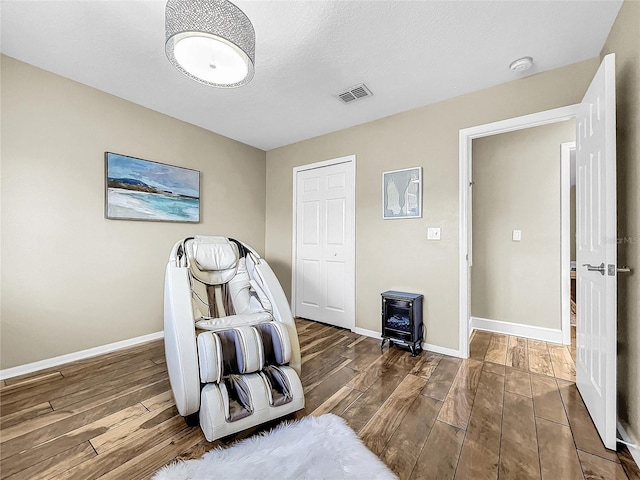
{"x":212,"y":260}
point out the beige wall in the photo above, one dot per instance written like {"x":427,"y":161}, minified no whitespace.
{"x":72,"y":280}
{"x":624,"y":41}
{"x":395,"y":254}
{"x":516,"y":185}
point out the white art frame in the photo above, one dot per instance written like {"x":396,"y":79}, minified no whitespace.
{"x":402,"y":193}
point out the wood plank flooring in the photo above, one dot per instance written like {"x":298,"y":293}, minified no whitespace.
{"x":511,"y":411}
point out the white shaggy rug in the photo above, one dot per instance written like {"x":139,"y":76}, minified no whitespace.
{"x":313,"y":448}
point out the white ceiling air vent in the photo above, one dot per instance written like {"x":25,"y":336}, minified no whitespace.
{"x":354,"y":93}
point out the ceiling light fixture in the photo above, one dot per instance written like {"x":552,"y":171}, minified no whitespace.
{"x":210,"y":41}
{"x":522,"y":64}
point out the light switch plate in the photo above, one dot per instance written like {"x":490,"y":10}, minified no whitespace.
{"x":517,"y":235}
{"x":433,"y":233}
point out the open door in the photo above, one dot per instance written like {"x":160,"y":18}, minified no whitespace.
{"x":596,"y":251}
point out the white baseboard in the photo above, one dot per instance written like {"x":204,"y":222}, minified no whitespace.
{"x":367,"y":333}
{"x":425,"y":346}
{"x":537,"y":333}
{"x":635,"y":453}
{"x":72,"y":357}
{"x":443,"y":350}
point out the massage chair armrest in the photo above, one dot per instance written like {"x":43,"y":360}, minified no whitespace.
{"x":280,"y":309}
{"x":180,"y":340}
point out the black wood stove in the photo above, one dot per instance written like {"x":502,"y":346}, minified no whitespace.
{"x":402,"y":319}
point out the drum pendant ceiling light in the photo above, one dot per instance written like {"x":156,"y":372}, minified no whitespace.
{"x":210,"y":41}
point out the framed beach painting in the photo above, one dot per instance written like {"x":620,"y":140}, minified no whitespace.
{"x":139,"y":189}
{"x":402,"y":193}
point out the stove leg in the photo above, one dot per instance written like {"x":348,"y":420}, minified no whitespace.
{"x":382,"y":344}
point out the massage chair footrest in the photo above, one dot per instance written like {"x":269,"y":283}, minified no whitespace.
{"x":220,"y":416}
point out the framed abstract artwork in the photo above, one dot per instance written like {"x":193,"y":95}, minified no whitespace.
{"x":402,"y":193}
{"x":139,"y":189}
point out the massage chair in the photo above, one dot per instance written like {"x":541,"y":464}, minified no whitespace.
{"x":230,"y":340}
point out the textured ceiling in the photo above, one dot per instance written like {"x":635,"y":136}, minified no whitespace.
{"x":409,"y":53}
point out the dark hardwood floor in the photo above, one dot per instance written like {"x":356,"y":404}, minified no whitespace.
{"x":511,"y":411}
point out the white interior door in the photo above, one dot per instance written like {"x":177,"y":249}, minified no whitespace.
{"x":596,"y":251}
{"x":324,"y":244}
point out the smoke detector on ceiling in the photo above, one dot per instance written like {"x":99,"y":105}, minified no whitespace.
{"x":522,"y":64}
{"x":357,"y":92}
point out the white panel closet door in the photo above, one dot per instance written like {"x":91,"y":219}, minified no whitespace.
{"x":596,"y":251}
{"x":324,"y":245}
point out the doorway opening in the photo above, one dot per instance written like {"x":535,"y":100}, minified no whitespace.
{"x":516,"y":233}
{"x":568,"y":232}
{"x":466,"y":253}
